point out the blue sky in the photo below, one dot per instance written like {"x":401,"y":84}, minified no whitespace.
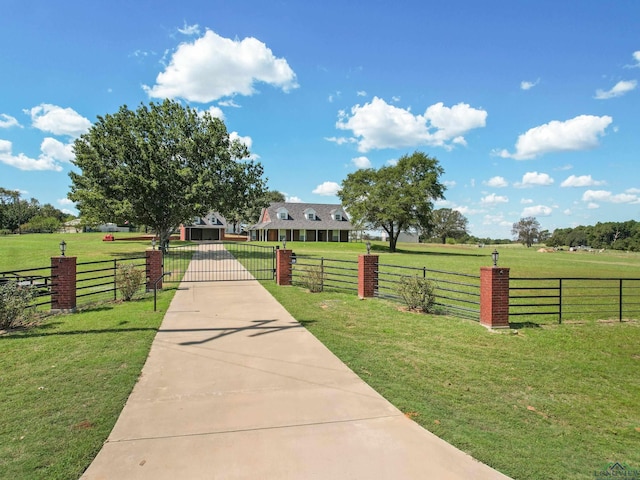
{"x":531,"y":107}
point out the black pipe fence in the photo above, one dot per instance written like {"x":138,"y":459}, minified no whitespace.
{"x":456,"y":294}
{"x":321,"y":274}
{"x":95,"y":281}
{"x":574,"y":299}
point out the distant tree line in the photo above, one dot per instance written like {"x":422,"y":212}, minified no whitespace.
{"x":18,"y":215}
{"x":611,"y":235}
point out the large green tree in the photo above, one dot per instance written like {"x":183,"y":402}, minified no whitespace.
{"x":526,"y":231}
{"x":160,"y":165}
{"x":395,"y":198}
{"x":446,"y":222}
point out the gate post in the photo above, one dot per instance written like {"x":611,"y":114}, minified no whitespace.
{"x":494,"y":297}
{"x":283,"y":267}
{"x":367,"y":275}
{"x":63,"y":285}
{"x":154,"y":269}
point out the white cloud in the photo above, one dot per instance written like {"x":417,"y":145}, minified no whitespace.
{"x":294,"y":199}
{"x":496,"y":220}
{"x":496,"y":182}
{"x":340,"y":140}
{"x":493,"y":199}
{"x":58,"y":120}
{"x":327,"y":189}
{"x":214,"y":67}
{"x":592,"y":206}
{"x":633,"y":191}
{"x":22,"y":162}
{"x":190,"y":29}
{"x":531,"y":179}
{"x":7,"y":121}
{"x":334,"y":96}
{"x":619,"y":89}
{"x":537,"y":211}
{"x":464,"y":210}
{"x":567,"y":212}
{"x":525,"y":85}
{"x":636,"y":57}
{"x":449,"y":183}
{"x":361,"y":93}
{"x":214,"y":111}
{"x":580,"y":181}
{"x":392,"y":162}
{"x":57,"y":150}
{"x":64,"y":201}
{"x":379,"y":125}
{"x":579,"y":133}
{"x":361,"y":162}
{"x":608,"y":197}
{"x":248,"y":141}
{"x":526,"y":201}
{"x":229,"y":103}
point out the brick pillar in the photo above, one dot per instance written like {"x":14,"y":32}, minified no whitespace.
{"x":283,"y":267}
{"x":494,"y":297}
{"x":183,"y":233}
{"x":367,"y":275}
{"x":154,"y":268}
{"x":63,"y":284}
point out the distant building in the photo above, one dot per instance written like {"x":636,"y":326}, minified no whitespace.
{"x":302,"y":222}
{"x":211,"y":227}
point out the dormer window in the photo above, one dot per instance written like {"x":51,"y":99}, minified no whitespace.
{"x":283,"y":214}
{"x":337,"y":216}
{"x":310,"y":214}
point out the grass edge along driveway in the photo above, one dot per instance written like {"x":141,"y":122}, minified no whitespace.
{"x":557,"y":401}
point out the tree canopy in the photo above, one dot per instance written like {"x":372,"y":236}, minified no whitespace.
{"x":160,"y":166}
{"x":526,"y":231}
{"x":395,"y":198}
{"x":17,"y":214}
{"x":446,"y":222}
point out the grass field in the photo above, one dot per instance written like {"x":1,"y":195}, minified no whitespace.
{"x":558,"y":401}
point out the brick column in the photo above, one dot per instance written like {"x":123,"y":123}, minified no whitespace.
{"x":63,"y":284}
{"x":367,"y":275}
{"x":494,"y":297}
{"x":154,"y":268}
{"x":283,"y":267}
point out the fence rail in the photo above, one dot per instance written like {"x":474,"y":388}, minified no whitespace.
{"x":457,"y":294}
{"x":574,"y":298}
{"x":38,"y":278}
{"x":325,"y":273}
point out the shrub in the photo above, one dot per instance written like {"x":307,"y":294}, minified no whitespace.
{"x":128,"y":279}
{"x":14,"y":303}
{"x":418,"y":293}
{"x":313,"y":278}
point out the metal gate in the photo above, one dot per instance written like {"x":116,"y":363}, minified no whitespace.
{"x":219,"y":261}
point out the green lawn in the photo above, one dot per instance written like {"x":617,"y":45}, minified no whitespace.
{"x":557,"y":401}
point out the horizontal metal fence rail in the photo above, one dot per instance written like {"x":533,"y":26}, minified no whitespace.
{"x":219,"y":261}
{"x":327,"y":273}
{"x":38,"y":278}
{"x":457,"y":294}
{"x":97,"y":280}
{"x":575,"y":298}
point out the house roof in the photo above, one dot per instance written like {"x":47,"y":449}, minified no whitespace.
{"x":210,"y":220}
{"x":297,"y":221}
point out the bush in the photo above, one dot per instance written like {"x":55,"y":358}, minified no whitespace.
{"x":313,"y":278}
{"x":128,"y":279}
{"x":14,"y":303}
{"x":418,"y":293}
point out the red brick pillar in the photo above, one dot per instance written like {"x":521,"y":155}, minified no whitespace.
{"x":494,"y":297}
{"x":154,"y":268}
{"x":367,"y":275}
{"x":63,"y":284}
{"x":283,"y":267}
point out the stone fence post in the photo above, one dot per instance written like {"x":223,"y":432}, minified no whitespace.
{"x":494,"y":297}
{"x":63,"y":284}
{"x":367,"y":275}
